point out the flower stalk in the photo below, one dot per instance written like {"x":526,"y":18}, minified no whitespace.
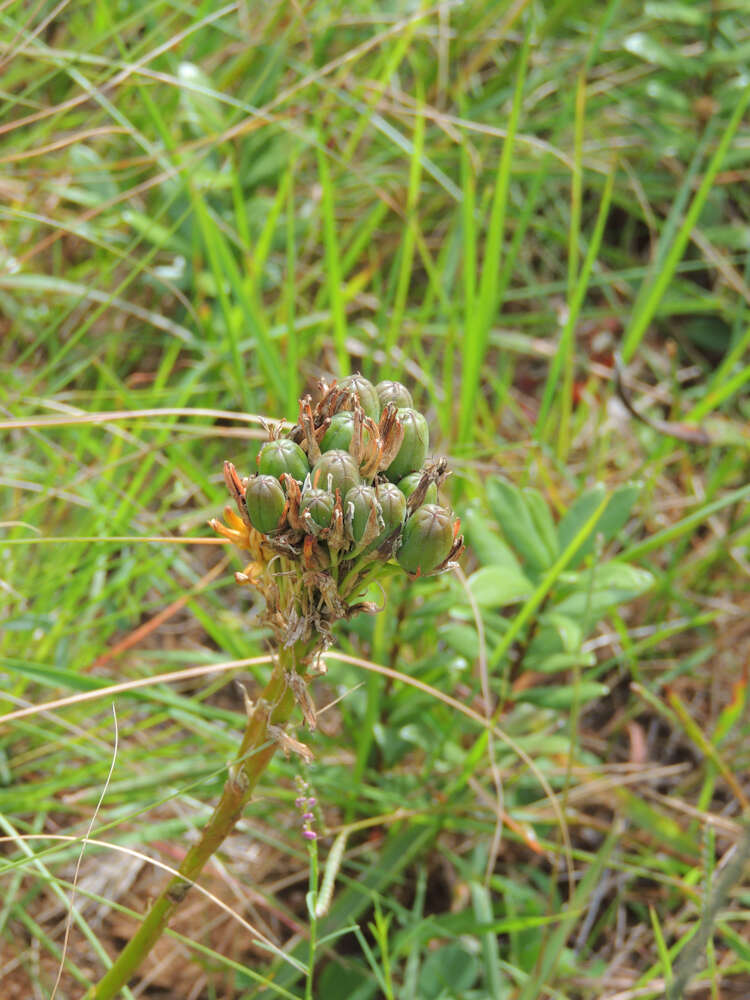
{"x":320,"y":525}
{"x":258,"y":746}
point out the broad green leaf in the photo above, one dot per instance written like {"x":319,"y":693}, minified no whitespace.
{"x":618,"y":510}
{"x":493,"y":586}
{"x":448,"y":971}
{"x":612,"y":520}
{"x":564,"y":695}
{"x":541,"y":591}
{"x":513,"y":514}
{"x":569,"y":630}
{"x":648,"y":48}
{"x":461,"y":638}
{"x":577,"y":514}
{"x":154,"y":232}
{"x":347,"y":982}
{"x":486,"y":544}
{"x":542,"y":518}
{"x":554,"y":663}
{"x":684,"y":13}
{"x":669,"y":97}
{"x":613,"y":584}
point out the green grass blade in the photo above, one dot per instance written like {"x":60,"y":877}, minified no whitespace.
{"x":484,"y":309}
{"x":642,"y":317}
{"x":566,"y":337}
{"x":333,"y":260}
{"x":407,"y":247}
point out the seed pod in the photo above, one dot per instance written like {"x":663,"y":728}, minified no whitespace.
{"x":363,"y":502}
{"x":368,"y":398}
{"x":339,"y":434}
{"x":394,"y":392}
{"x":319,"y":504}
{"x":283,"y":455}
{"x":427,"y":539}
{"x":392,"y":509}
{"x":392,"y":504}
{"x":335,"y":470}
{"x":413,"y":450}
{"x":265,"y":502}
{"x":409,"y":483}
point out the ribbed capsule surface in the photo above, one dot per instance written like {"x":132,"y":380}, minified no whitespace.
{"x":280,"y":456}
{"x":335,"y":470}
{"x":392,"y":509}
{"x":363,"y":500}
{"x":394,"y":392}
{"x":265,"y":501}
{"x":409,"y":483}
{"x":339,"y":435}
{"x":413,"y":450}
{"x":368,"y":397}
{"x":319,"y":504}
{"x":427,"y":539}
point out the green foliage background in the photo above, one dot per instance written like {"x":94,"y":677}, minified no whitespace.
{"x":206,"y":208}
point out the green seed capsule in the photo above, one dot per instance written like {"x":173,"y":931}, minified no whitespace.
{"x":392,"y":505}
{"x":320,"y":504}
{"x":427,"y":539}
{"x":264,"y":498}
{"x":283,"y":455}
{"x":413,"y":450}
{"x":363,"y":500}
{"x":339,"y":434}
{"x":368,"y":398}
{"x":340,"y":467}
{"x":392,"y":509}
{"x":394,"y":392}
{"x":409,"y":483}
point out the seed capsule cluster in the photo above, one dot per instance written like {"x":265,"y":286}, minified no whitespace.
{"x":346,"y":490}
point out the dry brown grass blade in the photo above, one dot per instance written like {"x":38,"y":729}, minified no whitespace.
{"x":683,"y":432}
{"x":140,"y":633}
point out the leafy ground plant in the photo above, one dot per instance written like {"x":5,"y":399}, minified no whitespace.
{"x":527,"y":557}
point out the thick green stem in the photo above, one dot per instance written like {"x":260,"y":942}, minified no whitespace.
{"x":256,"y":750}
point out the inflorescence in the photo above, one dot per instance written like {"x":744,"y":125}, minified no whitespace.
{"x":346,"y":491}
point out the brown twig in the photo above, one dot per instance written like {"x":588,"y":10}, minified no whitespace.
{"x":684,"y":432}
